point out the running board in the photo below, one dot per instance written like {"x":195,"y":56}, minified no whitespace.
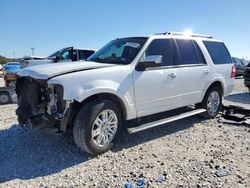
{"x":163,"y":121}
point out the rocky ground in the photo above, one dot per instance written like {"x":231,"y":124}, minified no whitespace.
{"x":192,"y":152}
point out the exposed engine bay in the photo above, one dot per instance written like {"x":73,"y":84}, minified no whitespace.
{"x":41,"y":105}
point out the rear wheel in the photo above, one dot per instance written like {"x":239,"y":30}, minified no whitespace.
{"x":212,"y":102}
{"x":97,"y":126}
{"x":4,"y":97}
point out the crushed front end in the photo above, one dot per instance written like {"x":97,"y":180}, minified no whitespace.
{"x":41,"y":105}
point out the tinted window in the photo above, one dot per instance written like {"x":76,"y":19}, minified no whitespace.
{"x":218,"y":52}
{"x":74,"y":55}
{"x":161,"y":47}
{"x":84,"y":54}
{"x":187,"y":52}
{"x":199,"y":53}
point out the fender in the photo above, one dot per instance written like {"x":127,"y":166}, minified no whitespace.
{"x":79,"y":91}
{"x":215,"y":79}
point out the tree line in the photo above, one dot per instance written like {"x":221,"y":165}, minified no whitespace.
{"x":4,"y":60}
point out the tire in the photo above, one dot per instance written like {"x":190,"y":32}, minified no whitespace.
{"x":86,"y":124}
{"x":4,"y":97}
{"x":213,"y":110}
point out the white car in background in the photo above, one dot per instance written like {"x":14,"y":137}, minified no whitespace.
{"x":69,"y":54}
{"x":128,"y":79}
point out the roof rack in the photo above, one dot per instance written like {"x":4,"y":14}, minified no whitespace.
{"x":185,"y":34}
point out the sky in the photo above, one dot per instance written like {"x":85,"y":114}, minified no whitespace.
{"x":49,"y":25}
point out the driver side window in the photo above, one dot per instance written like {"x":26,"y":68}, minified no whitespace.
{"x":161,"y":47}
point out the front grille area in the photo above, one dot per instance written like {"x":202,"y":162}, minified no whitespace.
{"x":32,"y":99}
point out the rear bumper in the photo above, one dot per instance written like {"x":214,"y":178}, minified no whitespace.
{"x":229,"y":86}
{"x":240,"y":72}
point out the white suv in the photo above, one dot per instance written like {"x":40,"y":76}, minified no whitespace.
{"x":129,"y":78}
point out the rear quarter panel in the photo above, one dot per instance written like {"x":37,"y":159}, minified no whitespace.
{"x":218,"y":72}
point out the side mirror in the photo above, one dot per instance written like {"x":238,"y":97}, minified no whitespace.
{"x":56,"y":58}
{"x":150,"y":61}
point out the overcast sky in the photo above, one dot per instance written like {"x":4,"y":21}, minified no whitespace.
{"x":50,"y":25}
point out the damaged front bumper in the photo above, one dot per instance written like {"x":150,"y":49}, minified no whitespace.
{"x":41,"y":105}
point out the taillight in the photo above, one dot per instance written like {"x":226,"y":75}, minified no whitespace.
{"x":233,"y":71}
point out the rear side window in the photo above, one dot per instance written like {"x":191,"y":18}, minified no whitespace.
{"x":218,"y":52}
{"x":187,"y":52}
{"x":164,"y":48}
{"x":84,"y":54}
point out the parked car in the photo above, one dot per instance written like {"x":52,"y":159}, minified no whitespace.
{"x":239,"y":65}
{"x":69,"y":54}
{"x":9,"y":73}
{"x":247,"y":77}
{"x":127,"y":79}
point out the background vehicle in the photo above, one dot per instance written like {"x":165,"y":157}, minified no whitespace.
{"x":239,"y":65}
{"x":68,"y":54}
{"x":128,"y":79}
{"x":247,"y":76}
{"x":7,"y":95}
{"x":9,"y":73}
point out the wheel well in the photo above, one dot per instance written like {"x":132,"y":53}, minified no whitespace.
{"x":5,"y":92}
{"x":107,"y":96}
{"x":217,"y":84}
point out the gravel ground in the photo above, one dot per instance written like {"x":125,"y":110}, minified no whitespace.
{"x":186,"y":153}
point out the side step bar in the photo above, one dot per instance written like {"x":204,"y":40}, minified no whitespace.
{"x":163,"y":121}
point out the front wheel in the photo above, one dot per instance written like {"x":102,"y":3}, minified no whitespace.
{"x":97,"y":126}
{"x":212,"y":102}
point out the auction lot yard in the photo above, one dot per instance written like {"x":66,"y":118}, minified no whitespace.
{"x":185,"y":153}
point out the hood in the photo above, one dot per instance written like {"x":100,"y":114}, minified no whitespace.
{"x":38,"y":62}
{"x":44,"y":72}
{"x":32,"y":57}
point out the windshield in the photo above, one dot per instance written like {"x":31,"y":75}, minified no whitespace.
{"x":119,"y":51}
{"x":57,"y":53}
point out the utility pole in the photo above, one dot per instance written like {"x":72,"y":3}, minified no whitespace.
{"x":32,"y":50}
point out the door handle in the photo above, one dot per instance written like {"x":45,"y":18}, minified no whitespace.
{"x":173,"y":75}
{"x":206,"y":71}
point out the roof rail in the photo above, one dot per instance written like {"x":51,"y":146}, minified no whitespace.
{"x":186,"y":34}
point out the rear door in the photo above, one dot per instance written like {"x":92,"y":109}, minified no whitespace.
{"x":193,"y":72}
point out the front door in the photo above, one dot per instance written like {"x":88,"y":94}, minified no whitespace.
{"x":155,"y":88}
